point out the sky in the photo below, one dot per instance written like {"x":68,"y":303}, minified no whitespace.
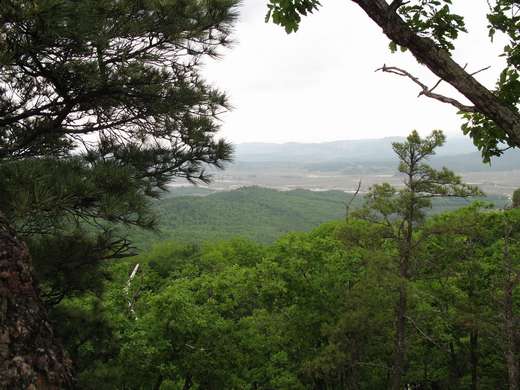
{"x":319,"y":84}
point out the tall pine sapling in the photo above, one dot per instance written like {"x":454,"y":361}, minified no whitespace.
{"x":402,"y":211}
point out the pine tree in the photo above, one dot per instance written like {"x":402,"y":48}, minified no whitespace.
{"x":101,"y":105}
{"x":402,"y":211}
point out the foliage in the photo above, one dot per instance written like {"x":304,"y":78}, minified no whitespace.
{"x":101,"y":105}
{"x":312,"y":310}
{"x":288,"y":13}
{"x":228,"y":214}
{"x":317,"y":310}
{"x":422,"y":182}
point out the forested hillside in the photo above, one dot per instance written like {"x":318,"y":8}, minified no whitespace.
{"x":312,"y":311}
{"x":259,"y":214}
{"x":391,"y":293}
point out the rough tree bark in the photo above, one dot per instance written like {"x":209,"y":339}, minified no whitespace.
{"x":440,"y":63}
{"x":30,"y":355}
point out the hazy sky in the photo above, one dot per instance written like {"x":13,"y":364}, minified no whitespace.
{"x":319,"y":84}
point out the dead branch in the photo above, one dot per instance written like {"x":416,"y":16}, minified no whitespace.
{"x":480,"y":70}
{"x":428,"y":91}
{"x":426,"y":336}
{"x":349,"y":203}
{"x":131,"y":300}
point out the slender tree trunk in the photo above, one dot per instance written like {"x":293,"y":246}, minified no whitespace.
{"x":158,"y":383}
{"x":405,"y":254}
{"x":510,"y":350}
{"x":400,"y":339}
{"x":30,"y":355}
{"x":474,"y":357}
{"x":350,"y":375}
{"x":402,"y":303}
{"x":509,"y":318}
{"x":453,"y":368}
{"x":187,"y":383}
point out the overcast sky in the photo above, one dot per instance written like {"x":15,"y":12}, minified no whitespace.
{"x":319,"y":84}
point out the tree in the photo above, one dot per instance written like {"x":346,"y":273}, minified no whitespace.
{"x":233,"y":315}
{"x":516,"y":198}
{"x":511,"y":280}
{"x":101,"y":106}
{"x":428,"y":28}
{"x":472,"y":284}
{"x":402,"y":212}
{"x":30,"y":354}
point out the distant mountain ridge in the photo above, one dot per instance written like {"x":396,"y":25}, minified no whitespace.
{"x":359,"y":150}
{"x":458,"y":154}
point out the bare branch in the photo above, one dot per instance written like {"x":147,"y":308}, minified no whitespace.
{"x":425,"y":335}
{"x":480,"y":70}
{"x":465,"y":66}
{"x":436,"y":85}
{"x":349,"y":203}
{"x":427,"y":91}
{"x":131,"y":300}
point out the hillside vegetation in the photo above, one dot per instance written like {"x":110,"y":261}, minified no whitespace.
{"x":417,"y":286}
{"x":312,"y":311}
{"x":256,"y":213}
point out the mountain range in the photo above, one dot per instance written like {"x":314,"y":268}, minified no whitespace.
{"x":458,"y":154}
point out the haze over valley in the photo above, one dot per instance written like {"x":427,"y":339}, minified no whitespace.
{"x":340,"y":165}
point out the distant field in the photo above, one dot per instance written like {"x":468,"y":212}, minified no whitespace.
{"x":257,"y":213}
{"x":341,"y":165}
{"x":287,"y":177}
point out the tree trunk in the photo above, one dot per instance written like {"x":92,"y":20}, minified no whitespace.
{"x":510,"y":350}
{"x":474,"y":357}
{"x":187,"y":383}
{"x":509,"y":317}
{"x":401,"y":307}
{"x":400,"y":339}
{"x":440,"y":62}
{"x":30,"y":355}
{"x":454,"y":369}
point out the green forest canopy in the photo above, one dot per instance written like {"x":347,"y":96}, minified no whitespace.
{"x":315,"y":310}
{"x":311,"y":310}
